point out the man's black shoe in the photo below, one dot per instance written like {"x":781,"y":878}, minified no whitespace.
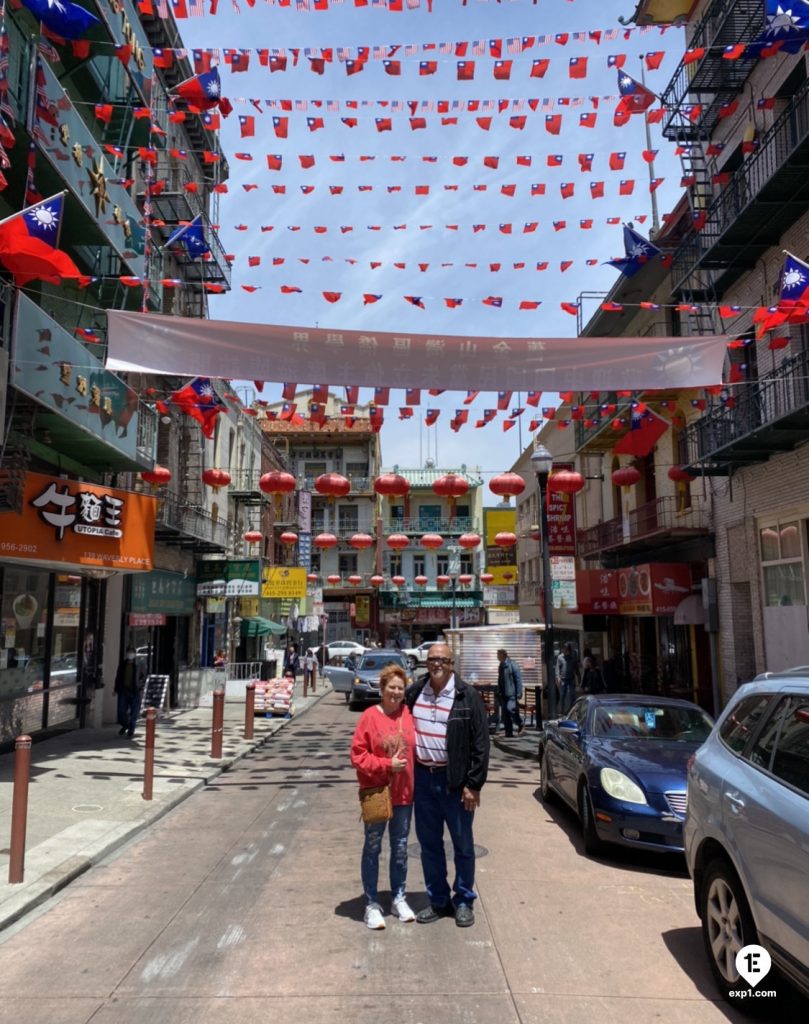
{"x":122,"y":731}
{"x":464,"y":915}
{"x":430,"y":914}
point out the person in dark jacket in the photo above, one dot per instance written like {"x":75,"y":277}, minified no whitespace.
{"x":292,"y":661}
{"x":509,"y":690}
{"x":129,"y":682}
{"x":452,"y":760}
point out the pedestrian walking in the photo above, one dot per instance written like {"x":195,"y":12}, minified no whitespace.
{"x":309,"y":672}
{"x":509,"y":689}
{"x":568,"y":674}
{"x":452,"y":760}
{"x":130,"y":680}
{"x":592,"y":678}
{"x":292,"y":661}
{"x":382,"y":754}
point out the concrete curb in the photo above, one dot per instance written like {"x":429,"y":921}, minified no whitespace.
{"x":34,"y":894}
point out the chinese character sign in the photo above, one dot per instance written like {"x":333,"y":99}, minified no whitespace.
{"x":80,"y":524}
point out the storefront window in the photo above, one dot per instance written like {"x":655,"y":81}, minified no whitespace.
{"x":782,"y":564}
{"x":24,"y":612}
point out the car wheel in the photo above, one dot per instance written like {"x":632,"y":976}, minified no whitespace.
{"x":592,"y":844}
{"x":545,"y":791}
{"x":727,"y":926}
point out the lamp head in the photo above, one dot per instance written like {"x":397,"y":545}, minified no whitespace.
{"x":542,"y":460}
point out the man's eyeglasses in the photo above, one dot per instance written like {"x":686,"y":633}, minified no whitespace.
{"x":439,"y":661}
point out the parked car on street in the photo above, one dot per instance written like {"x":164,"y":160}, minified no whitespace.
{"x":361,"y":684}
{"x":418,"y":655}
{"x":747,"y":832}
{"x":620,"y":761}
{"x":338,"y":650}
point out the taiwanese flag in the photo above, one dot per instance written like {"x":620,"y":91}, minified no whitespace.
{"x":502,"y":70}
{"x":626,"y":187}
{"x":413,"y":396}
{"x":587,"y":120}
{"x":453,"y":303}
{"x":549,"y":412}
{"x":193,"y":238}
{"x":392,"y":67}
{"x":247,"y":125}
{"x":539,"y":67}
{"x":383,"y":124}
{"x":493,"y":300}
{"x":616,"y":60}
{"x":199,"y":400}
{"x":29,"y":243}
{"x":103,"y":112}
{"x":553,"y":123}
{"x":352,"y":394}
{"x":203,"y":91}
{"x":368,"y":299}
{"x":428,"y":67}
{"x":415,"y":300}
{"x":645,"y":430}
{"x":320,"y":393}
{"x":654,"y":60}
{"x":491,"y":161}
{"x":567,"y":189}
{"x":65,"y":19}
{"x":278,"y":63}
{"x":332,"y":296}
{"x":635,"y":98}
{"x":517,"y":121}
{"x":577,"y":67}
{"x":597,"y":189}
{"x":617,"y":161}
{"x":489,"y":415}
{"x":288,"y":392}
{"x":470,"y":397}
{"x":569,"y":307}
{"x":529,"y":304}
{"x":381,"y":396}
{"x":466,"y":70}
{"x":793,"y":302}
{"x":503,"y":399}
{"x":405,"y":413}
{"x":432,"y":416}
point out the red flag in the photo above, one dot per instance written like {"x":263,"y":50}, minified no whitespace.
{"x":577,"y":68}
{"x":199,"y":400}
{"x":466,"y":70}
{"x":646,"y":429}
{"x":502,"y":70}
{"x":432,"y":416}
{"x":332,"y":296}
{"x":553,"y":123}
{"x":28,"y":244}
{"x":539,"y":67}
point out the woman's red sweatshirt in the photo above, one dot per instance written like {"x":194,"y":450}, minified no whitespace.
{"x":376,"y":739}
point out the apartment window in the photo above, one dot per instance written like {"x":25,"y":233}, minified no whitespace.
{"x":357,"y":469}
{"x":348,"y":518}
{"x":466,"y":563}
{"x":347,"y":564}
{"x":318,"y":520}
{"x":397,"y":513}
{"x":782,"y":564}
{"x":314,"y":469}
{"x":442,"y":565}
{"x":419,"y":565}
{"x":395,"y":564}
{"x":429,"y":515}
{"x":461,"y":511}
{"x":315,"y":562}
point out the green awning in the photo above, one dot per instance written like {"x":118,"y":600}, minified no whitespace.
{"x":258,"y":626}
{"x":446,"y":602}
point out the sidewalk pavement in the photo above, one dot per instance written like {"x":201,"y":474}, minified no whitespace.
{"x":85,"y":797}
{"x":525,"y":746}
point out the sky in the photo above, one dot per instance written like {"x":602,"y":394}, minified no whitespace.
{"x":340,"y":261}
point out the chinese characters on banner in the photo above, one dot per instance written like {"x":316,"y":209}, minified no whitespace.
{"x":656,"y":588}
{"x":561,"y":510}
{"x":81,"y":524}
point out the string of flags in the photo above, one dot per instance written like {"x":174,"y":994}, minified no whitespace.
{"x":196,"y":10}
{"x":504,"y":228}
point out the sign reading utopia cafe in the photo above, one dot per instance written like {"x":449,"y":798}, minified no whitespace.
{"x":80,"y":524}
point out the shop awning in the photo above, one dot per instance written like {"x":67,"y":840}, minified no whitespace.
{"x":441,"y":602}
{"x":257,"y":626}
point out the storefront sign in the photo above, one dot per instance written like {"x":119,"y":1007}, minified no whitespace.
{"x":304,"y":512}
{"x":305,"y":551}
{"x":655,"y":588}
{"x":564,"y":593}
{"x":170,"y":593}
{"x":563,"y":568}
{"x":500,"y":562}
{"x":431,"y":616}
{"x":362,"y":610}
{"x":561,"y":514}
{"x":80,"y":524}
{"x":217,"y":578}
{"x":283,"y":582}
{"x":502,"y":616}
{"x":146,"y":619}
{"x":506,"y":595}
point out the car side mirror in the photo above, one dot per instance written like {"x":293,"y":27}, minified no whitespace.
{"x":568,"y":727}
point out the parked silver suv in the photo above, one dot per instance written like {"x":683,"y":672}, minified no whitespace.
{"x":747,"y":833}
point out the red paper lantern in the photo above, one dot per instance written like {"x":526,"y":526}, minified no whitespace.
{"x":421,"y":581}
{"x":565,"y":481}
{"x":465,"y":579}
{"x":506,"y":485}
{"x":431,"y":541}
{"x":157,"y":477}
{"x":277,"y":482}
{"x":443,"y":581}
{"x":505,"y":539}
{"x":486,"y":577}
{"x":452,"y":486}
{"x":354,"y":580}
{"x":508,"y":576}
{"x":253,"y":536}
{"x":334,"y":579}
{"x":391,"y":485}
{"x":469,"y":540}
{"x":377,"y":581}
{"x":216,"y":478}
{"x":398,"y":541}
{"x":325,"y":540}
{"x":536,"y":535}
{"x":398,"y":581}
{"x":332,"y":485}
{"x":288,"y":537}
{"x":312,"y":577}
{"x":361,"y":541}
{"x":675,"y":473}
{"x":626,"y":476}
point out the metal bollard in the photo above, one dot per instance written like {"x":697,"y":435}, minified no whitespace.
{"x":249,"y":710}
{"x":217,"y":723}
{"x":148,"y":760}
{"x":314,"y":676}
{"x":19,"y":809}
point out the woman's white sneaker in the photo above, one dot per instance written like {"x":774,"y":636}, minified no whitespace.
{"x":374,"y":918}
{"x":401,"y":910}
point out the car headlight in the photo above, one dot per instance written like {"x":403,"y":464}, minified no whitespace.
{"x":621,"y":787}
{"x":357,"y":680}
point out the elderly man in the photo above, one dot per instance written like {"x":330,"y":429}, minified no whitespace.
{"x":452,"y":759}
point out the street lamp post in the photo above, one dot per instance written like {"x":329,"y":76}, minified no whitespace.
{"x":542,"y":462}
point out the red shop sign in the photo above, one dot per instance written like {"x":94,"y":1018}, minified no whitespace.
{"x":597,"y":592}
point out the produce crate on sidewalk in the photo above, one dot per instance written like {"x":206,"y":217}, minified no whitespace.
{"x":274,"y":697}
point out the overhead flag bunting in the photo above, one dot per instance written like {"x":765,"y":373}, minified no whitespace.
{"x":29,"y":244}
{"x":639,"y":251}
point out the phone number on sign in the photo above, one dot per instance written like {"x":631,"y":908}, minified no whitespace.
{"x":10,"y":545}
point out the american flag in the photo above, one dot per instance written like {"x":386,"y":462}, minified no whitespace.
{"x":478,"y":47}
{"x":514,"y":45}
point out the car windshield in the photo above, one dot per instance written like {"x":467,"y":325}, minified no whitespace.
{"x":376,"y":662}
{"x":651,"y":722}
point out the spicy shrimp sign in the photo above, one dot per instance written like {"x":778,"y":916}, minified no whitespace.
{"x":80,"y":524}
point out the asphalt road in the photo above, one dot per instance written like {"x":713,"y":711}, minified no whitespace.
{"x":243,"y":905}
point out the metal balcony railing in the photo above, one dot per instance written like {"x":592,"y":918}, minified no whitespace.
{"x":359,"y":484}
{"x":146,"y":438}
{"x":193,"y":523}
{"x":427,"y":524}
{"x":661,"y":517}
{"x":592,"y":424}
{"x":712,"y":78}
{"x":729,"y":435}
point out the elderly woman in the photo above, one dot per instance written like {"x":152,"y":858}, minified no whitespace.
{"x":382,"y":753}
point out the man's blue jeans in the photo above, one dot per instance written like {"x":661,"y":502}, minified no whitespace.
{"x":398,"y":830}
{"x":567,"y":695}
{"x":437,"y":806}
{"x":128,"y":709}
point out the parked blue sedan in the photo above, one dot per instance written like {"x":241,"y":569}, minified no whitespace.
{"x":620,"y":762}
